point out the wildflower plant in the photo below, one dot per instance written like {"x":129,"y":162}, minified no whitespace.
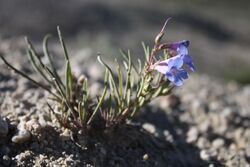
{"x":126,"y":90}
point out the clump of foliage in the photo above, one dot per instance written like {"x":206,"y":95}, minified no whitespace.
{"x":126,"y":90}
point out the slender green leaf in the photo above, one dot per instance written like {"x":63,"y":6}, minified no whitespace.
{"x":146,"y":51}
{"x":140,"y":66}
{"x":127,"y":57}
{"x":36,"y":61}
{"x":52,"y":66}
{"x":71,"y":109}
{"x":107,"y":75}
{"x":36,"y":67}
{"x":120,"y":78}
{"x":82,"y":113}
{"x":128,"y":76}
{"x":85,"y":94}
{"x":62,"y":43}
{"x":27,"y":77}
{"x":112,"y":80}
{"x":68,"y":80}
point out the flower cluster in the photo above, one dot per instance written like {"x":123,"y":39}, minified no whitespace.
{"x":172,"y":68}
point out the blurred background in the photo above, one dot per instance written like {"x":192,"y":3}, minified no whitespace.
{"x":219,"y":31}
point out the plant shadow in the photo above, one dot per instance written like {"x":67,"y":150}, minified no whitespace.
{"x":164,"y":122}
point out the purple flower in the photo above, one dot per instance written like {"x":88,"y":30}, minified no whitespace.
{"x":181,"y":47}
{"x":187,"y":59}
{"x":173,"y":70}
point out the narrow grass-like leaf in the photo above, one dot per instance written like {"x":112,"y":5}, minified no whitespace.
{"x":107,"y":75}
{"x":120,"y":78}
{"x":81,"y":112}
{"x":47,"y":54}
{"x":157,"y":92}
{"x":125,"y":65}
{"x":167,"y":90}
{"x":85,"y":94}
{"x":68,"y":80}
{"x":28,"y":78}
{"x":111,"y":79}
{"x":128,"y":76}
{"x":140,"y":87}
{"x":57,"y":86}
{"x":71,"y":109}
{"x":128,"y":97}
{"x":134,"y":111}
{"x":62,"y":43}
{"x":127,"y":57}
{"x":36,"y":62}
{"x":68,"y":73}
{"x":36,"y":66}
{"x":109,"y":104}
{"x":140,"y":66}
{"x":146,"y":51}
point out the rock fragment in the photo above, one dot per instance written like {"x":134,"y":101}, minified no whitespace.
{"x":21,"y":137}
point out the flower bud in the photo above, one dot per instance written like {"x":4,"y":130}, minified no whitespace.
{"x":158,"y":38}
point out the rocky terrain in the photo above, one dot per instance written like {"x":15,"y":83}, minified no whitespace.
{"x":203,"y":123}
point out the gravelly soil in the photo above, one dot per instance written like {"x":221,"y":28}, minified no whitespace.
{"x":204,"y":123}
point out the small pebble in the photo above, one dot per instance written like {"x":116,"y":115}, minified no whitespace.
{"x":168,"y":136}
{"x":6,"y":160}
{"x":218,"y":143}
{"x":203,"y":143}
{"x":33,"y":124}
{"x":145,"y":157}
{"x":192,"y":135}
{"x":149,"y":127}
{"x":204,"y":155}
{"x":21,"y":137}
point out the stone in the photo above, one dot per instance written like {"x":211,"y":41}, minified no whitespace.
{"x":145,"y":157}
{"x":33,"y":124}
{"x":21,"y":137}
{"x":197,"y":105}
{"x":192,"y":135}
{"x":6,"y":160}
{"x":149,"y":127}
{"x":207,"y":154}
{"x":215,"y":106}
{"x":204,"y":126}
{"x":203,"y":143}
{"x":204,"y":155}
{"x":168,"y":136}
{"x":218,"y":143}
